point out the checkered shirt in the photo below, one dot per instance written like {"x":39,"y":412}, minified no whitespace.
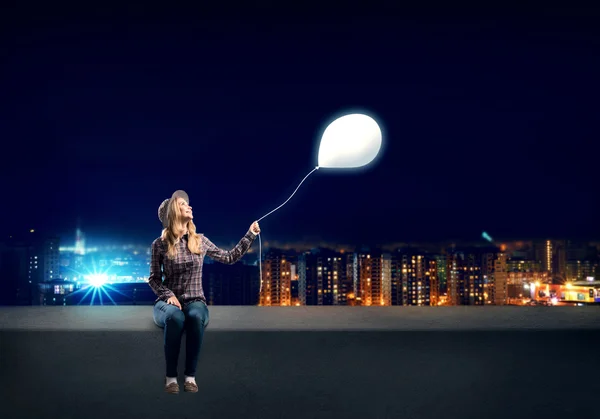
{"x":183,"y":275}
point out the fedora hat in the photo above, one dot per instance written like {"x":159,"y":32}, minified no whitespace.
{"x":163,"y":209}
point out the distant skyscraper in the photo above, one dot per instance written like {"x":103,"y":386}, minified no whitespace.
{"x":455,"y":287}
{"x":441,"y":266}
{"x":374,"y":278}
{"x":386,"y":279}
{"x":302,"y":279}
{"x":559,"y":269}
{"x":553,"y":255}
{"x":414,"y":275}
{"x":434,"y":287}
{"x":51,"y":256}
{"x":465,"y":286}
{"x":277,"y":277}
{"x":500,"y":280}
{"x":323,"y":277}
{"x":487,"y":270}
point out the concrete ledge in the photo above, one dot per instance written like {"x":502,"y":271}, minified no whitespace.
{"x":241,"y":318}
{"x":304,"y":362}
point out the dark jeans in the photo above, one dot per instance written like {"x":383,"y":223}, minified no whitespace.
{"x":193,"y":319}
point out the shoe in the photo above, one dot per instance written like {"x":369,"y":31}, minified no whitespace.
{"x":172,"y":388}
{"x":190,"y":387}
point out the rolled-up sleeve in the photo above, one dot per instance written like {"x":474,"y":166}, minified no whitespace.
{"x":156,"y":276}
{"x":229,"y":257}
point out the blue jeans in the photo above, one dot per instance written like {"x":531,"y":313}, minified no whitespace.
{"x":193,"y":319}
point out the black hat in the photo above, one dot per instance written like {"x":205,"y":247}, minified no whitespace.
{"x":163,"y":210}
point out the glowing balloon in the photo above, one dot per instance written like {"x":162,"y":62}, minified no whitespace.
{"x":350,"y":141}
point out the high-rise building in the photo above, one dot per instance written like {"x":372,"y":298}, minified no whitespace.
{"x":396,"y":276}
{"x":488,"y":259}
{"x":414,"y":276}
{"x":302,"y":279}
{"x":277,"y":277}
{"x":500,"y":280}
{"x":441,"y":266}
{"x":323,"y":277}
{"x":560,"y":261}
{"x":465,"y":286}
{"x":374,"y":277}
{"x":345,"y":294}
{"x":456,"y":288}
{"x":434,"y":287}
{"x":553,"y":256}
{"x":51,"y":256}
{"x":386,"y":279}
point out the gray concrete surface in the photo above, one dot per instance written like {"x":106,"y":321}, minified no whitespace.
{"x":240,"y":318}
{"x":95,"y":362}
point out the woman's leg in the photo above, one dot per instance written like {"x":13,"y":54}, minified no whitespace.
{"x":172,"y":319}
{"x":196,"y":320}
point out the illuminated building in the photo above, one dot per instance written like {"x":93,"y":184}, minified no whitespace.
{"x":413,"y":278}
{"x":51,"y":258}
{"x":366,"y":291}
{"x":500,"y":280}
{"x":465,"y":283}
{"x":277,"y":271}
{"x":374,"y":278}
{"x":487,"y":270}
{"x":434,"y":287}
{"x":524,"y":265}
{"x":348,"y":269}
{"x":553,"y":256}
{"x":352,"y":291}
{"x":521,"y":274}
{"x":441,"y":267}
{"x":55,"y":292}
{"x":455,"y":288}
{"x":578,"y":270}
{"x":323,"y":277}
{"x":386,"y":280}
{"x":568,"y":293}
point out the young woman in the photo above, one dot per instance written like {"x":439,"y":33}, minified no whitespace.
{"x":177,"y":255}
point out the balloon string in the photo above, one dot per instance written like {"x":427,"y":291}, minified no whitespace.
{"x":316,"y":168}
{"x":259,"y":234}
{"x":259,"y":267}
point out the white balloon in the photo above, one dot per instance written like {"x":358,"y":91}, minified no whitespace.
{"x":350,"y":141}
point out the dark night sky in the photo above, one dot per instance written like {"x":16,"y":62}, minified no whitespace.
{"x":490,"y":120}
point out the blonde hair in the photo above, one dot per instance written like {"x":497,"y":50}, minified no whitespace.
{"x":175,"y":229}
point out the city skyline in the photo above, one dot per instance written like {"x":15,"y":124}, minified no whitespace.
{"x":483,"y":273}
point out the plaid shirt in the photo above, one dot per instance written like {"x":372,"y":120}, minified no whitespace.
{"x":183,"y":275}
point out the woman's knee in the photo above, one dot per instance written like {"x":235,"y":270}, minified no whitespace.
{"x":176,"y":318}
{"x":198,"y":316}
